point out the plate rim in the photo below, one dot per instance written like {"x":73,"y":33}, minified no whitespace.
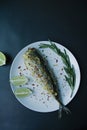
{"x":59,"y":44}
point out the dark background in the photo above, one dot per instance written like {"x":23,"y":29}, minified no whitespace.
{"x":25,"y":21}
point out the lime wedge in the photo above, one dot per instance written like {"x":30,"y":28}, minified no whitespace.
{"x":22,"y":92}
{"x":19,"y":80}
{"x":2,"y":59}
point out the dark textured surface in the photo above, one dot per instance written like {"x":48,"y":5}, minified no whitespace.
{"x":24,"y":22}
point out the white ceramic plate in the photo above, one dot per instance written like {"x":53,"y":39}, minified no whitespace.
{"x":40,"y":101}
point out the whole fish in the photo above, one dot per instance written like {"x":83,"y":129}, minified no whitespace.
{"x":37,"y":68}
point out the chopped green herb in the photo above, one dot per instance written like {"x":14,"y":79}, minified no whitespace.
{"x":69,"y":69}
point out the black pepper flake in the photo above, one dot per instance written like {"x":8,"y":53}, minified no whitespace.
{"x":60,"y":73}
{"x":20,"y":74}
{"x":43,"y":102}
{"x":48,"y":97}
{"x":19,"y":67}
{"x":33,"y":84}
{"x":33,"y":87}
{"x":62,"y":69}
{"x":56,"y":61}
{"x":24,"y":69}
{"x":42,"y":50}
{"x":42,"y":93}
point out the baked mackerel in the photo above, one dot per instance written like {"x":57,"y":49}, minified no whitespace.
{"x":37,"y":68}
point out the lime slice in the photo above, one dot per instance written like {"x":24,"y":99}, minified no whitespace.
{"x":2,"y":59}
{"x":19,"y":80}
{"x":22,"y":92}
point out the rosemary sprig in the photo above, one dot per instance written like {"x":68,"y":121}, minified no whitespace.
{"x":69,"y":69}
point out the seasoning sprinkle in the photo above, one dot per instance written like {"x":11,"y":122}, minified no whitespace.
{"x":56,"y":61}
{"x":19,"y":67}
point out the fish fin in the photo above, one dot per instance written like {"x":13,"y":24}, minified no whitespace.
{"x":61,"y":109}
{"x":65,"y":109}
{"x":60,"y":112}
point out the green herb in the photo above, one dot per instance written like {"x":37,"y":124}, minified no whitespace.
{"x":69,"y":69}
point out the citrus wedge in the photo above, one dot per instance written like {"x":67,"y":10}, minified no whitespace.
{"x":22,"y":92}
{"x":19,"y":80}
{"x":2,"y":59}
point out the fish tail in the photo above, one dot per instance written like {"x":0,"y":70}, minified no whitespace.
{"x":61,"y":109}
